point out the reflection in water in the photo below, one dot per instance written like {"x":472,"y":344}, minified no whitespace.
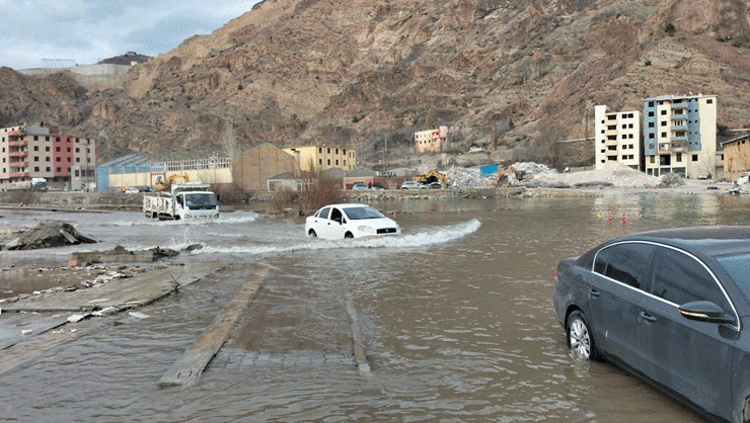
{"x":455,"y":314}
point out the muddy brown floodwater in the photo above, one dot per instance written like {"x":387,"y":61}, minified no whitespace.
{"x":455,"y":317}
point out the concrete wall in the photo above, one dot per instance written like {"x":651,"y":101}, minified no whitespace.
{"x":251,"y":169}
{"x":106,"y":75}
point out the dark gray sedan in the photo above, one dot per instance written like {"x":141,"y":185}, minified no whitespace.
{"x":671,"y":306}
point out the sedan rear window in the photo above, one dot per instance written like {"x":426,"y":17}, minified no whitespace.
{"x":323,"y":213}
{"x":628,"y":263}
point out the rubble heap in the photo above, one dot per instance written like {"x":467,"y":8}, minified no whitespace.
{"x":48,"y":234}
{"x":617,"y":175}
{"x":459,"y":177}
{"x":535,"y":169}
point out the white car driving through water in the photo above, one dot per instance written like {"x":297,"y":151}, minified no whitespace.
{"x":343,"y":221}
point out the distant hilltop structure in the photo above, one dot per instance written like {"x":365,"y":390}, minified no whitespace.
{"x":129,"y":59}
{"x":106,"y":73}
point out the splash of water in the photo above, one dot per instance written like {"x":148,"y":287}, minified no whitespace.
{"x":432,"y":236}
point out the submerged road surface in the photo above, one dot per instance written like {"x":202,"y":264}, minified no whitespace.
{"x":453,"y":318}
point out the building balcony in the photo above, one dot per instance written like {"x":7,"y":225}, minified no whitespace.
{"x":679,"y":116}
{"x":610,"y":132}
{"x":17,"y":133}
{"x":678,"y":147}
{"x":22,"y":153}
{"x":680,"y":105}
{"x":680,"y":138}
{"x":609,"y":142}
{"x":18,"y":164}
{"x":17,"y":143}
{"x":679,"y":127}
{"x":19,"y":174}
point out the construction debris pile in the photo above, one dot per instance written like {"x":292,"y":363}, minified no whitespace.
{"x":536,"y":169}
{"x":615,"y":175}
{"x":529,"y":174}
{"x":460,"y":177}
{"x":48,"y":234}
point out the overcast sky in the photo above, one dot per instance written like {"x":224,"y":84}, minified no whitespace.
{"x":87,"y":31}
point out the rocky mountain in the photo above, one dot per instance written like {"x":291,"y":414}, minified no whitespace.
{"x":509,"y":73}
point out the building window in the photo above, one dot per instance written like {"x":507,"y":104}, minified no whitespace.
{"x":58,"y":159}
{"x":57,"y":149}
{"x":663,"y":123}
{"x":36,"y":169}
{"x":651,"y":124}
{"x":36,"y":138}
{"x":320,"y":162}
{"x":663,"y":134}
{"x":48,"y":168}
{"x":78,"y":159}
{"x":679,"y":157}
{"x":68,"y":149}
{"x":46,"y":148}
{"x":663,"y":112}
{"x":653,"y":159}
{"x":329,"y":162}
{"x":59,"y":169}
{"x":36,"y":148}
{"x":46,"y":159}
{"x":695,"y":157}
{"x":329,"y":151}
{"x":709,"y":101}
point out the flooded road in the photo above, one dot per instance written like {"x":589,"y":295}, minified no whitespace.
{"x":455,"y":315}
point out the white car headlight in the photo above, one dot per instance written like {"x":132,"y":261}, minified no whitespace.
{"x":366,"y":229}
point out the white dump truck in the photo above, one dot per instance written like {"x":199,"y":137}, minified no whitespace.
{"x":191,"y":200}
{"x":35,"y":184}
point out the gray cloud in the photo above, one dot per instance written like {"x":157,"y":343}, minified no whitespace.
{"x":91,"y":30}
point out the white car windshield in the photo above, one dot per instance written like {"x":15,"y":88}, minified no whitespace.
{"x":362,"y":213}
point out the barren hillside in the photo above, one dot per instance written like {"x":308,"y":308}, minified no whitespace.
{"x":520,"y":73}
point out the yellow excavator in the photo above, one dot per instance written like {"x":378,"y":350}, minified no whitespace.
{"x":430,"y":177}
{"x":508,"y":175}
{"x":162,"y":185}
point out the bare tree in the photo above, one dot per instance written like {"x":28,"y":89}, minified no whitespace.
{"x":229,"y":141}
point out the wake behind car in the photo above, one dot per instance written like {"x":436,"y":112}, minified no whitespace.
{"x":671,"y":306}
{"x":341,"y":221}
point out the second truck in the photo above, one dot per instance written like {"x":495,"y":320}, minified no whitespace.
{"x":190,"y":200}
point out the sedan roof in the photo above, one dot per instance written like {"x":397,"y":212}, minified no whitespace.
{"x":710,"y":240}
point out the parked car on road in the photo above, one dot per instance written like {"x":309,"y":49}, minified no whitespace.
{"x":412,"y":185}
{"x":360,"y":187}
{"x":671,"y":306}
{"x":341,"y":221}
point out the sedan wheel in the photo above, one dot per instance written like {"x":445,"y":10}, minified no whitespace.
{"x":580,"y":339}
{"x":312,"y":234}
{"x":348,"y":235}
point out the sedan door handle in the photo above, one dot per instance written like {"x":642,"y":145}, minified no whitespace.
{"x":647,"y":317}
{"x":594,"y":293}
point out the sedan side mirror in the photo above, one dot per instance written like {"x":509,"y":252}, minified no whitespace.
{"x":704,"y":311}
